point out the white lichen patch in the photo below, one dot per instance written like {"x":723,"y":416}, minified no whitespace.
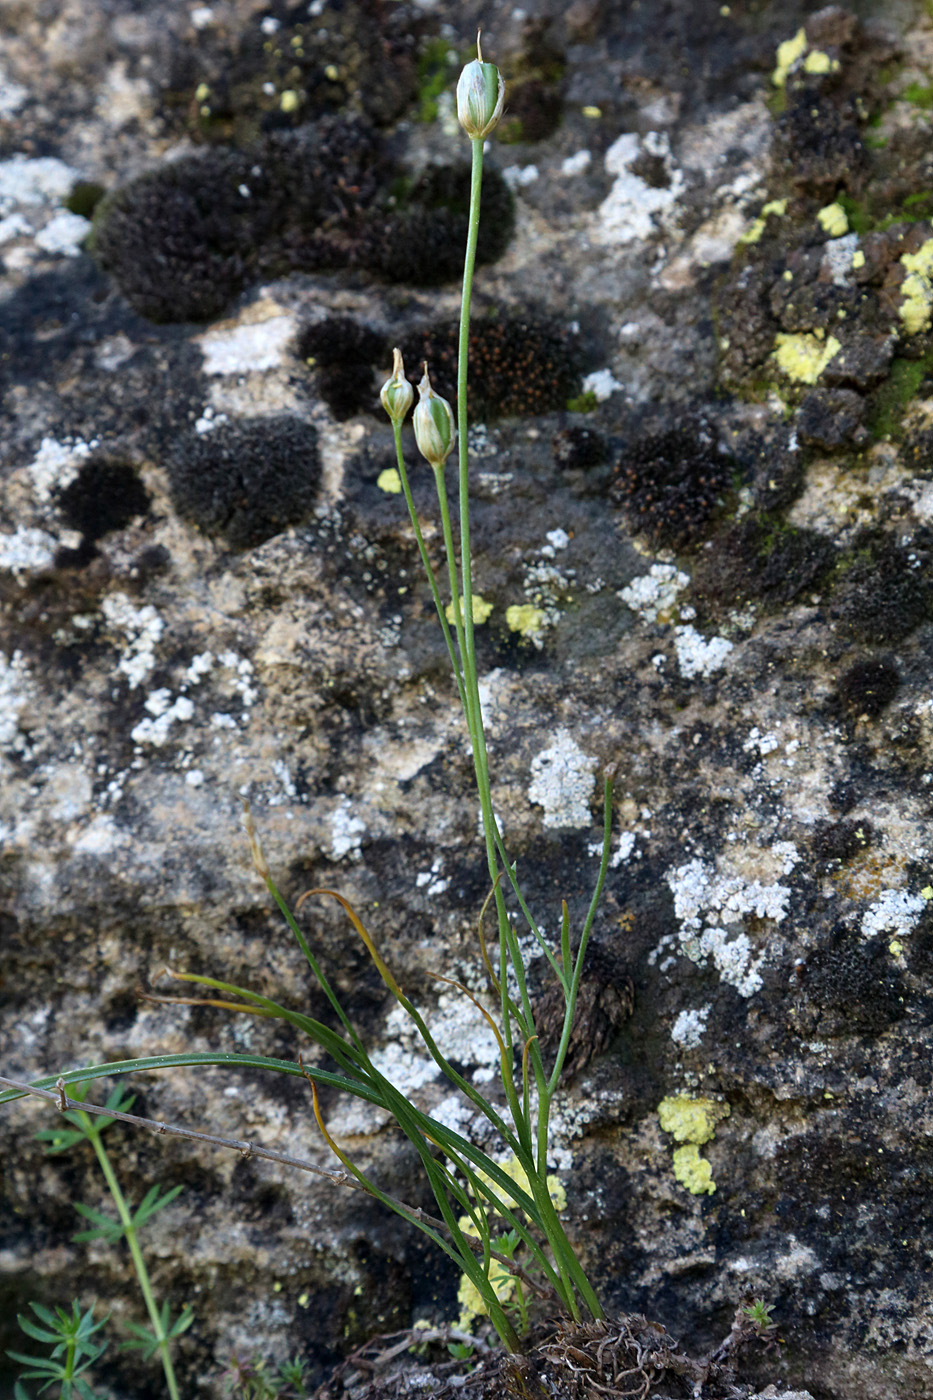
{"x":66,"y":790}
{"x":690,"y":1026}
{"x":710,"y":906}
{"x":346,"y":833}
{"x":838,"y":262}
{"x":634,"y":209}
{"x":15,"y":696}
{"x":164,"y":712}
{"x":602,"y":384}
{"x":577,"y":163}
{"x":697,"y":656}
{"x":56,"y":465}
{"x":562,"y":782}
{"x":254,"y":347}
{"x":34,"y":181}
{"x":141,"y":629}
{"x":653,"y":596}
{"x":64,"y":234}
{"x":26,"y":551}
{"x":895,"y":913}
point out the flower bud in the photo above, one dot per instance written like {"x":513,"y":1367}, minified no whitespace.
{"x":480,"y":95}
{"x":433,"y":422}
{"x":396,"y":394}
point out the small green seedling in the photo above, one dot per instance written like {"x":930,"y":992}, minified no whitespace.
{"x":73,"y":1351}
{"x":248,"y":1378}
{"x":157,"y":1339}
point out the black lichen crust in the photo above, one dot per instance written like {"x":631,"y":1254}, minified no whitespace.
{"x":575,"y":448}
{"x":882,"y":593}
{"x":182,"y":240}
{"x":421,"y":240}
{"x":105,"y":495}
{"x":344,"y":354}
{"x":671,"y":482}
{"x":289,"y":67}
{"x":519,"y":365}
{"x":247,"y":481}
{"x":762,"y":559}
{"x":869,"y":686}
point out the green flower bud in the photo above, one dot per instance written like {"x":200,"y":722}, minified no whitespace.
{"x":396,"y":394}
{"x":480,"y":95}
{"x":433,"y":422}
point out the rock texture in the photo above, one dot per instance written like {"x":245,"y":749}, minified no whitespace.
{"x":704,"y":524}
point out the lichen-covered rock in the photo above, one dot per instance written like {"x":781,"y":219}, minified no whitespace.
{"x":717,"y":579}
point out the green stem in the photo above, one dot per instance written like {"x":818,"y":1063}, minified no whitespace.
{"x":139,"y":1263}
{"x":428,"y":567}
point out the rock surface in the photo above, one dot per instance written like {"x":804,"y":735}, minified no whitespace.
{"x":710,"y":236}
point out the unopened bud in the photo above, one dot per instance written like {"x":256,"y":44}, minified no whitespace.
{"x":480,"y":95}
{"x":433,"y":422}
{"x":396,"y":394}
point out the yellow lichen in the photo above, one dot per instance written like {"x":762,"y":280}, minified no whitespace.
{"x":481,"y":610}
{"x":693,"y":1171}
{"x":389,"y":480}
{"x":774,"y":206}
{"x":290,"y":100}
{"x":787,"y":55}
{"x":858,"y":259}
{"x":803,"y":357}
{"x":691,"y":1120}
{"x":917,"y":289}
{"x":819,"y":62}
{"x":832,"y":219}
{"x":524,"y":618}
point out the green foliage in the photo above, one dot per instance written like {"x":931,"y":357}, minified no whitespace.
{"x":583,"y":403}
{"x":73,"y":1352}
{"x":920,"y":94}
{"x":437,"y":63}
{"x":891,"y":398}
{"x":157,"y":1339}
{"x":248,"y":1378}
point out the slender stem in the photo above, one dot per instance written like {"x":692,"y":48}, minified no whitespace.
{"x":139,"y":1263}
{"x":428,"y":567}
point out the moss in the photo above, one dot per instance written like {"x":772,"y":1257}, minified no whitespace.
{"x":840,"y":841}
{"x":887,"y":403}
{"x":583,"y":403}
{"x":763,"y":559}
{"x":351,"y":55}
{"x":84,"y":198}
{"x":245,"y":482}
{"x":919,"y":94}
{"x":670,"y":483}
{"x":438,"y":67}
{"x":184,"y":239}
